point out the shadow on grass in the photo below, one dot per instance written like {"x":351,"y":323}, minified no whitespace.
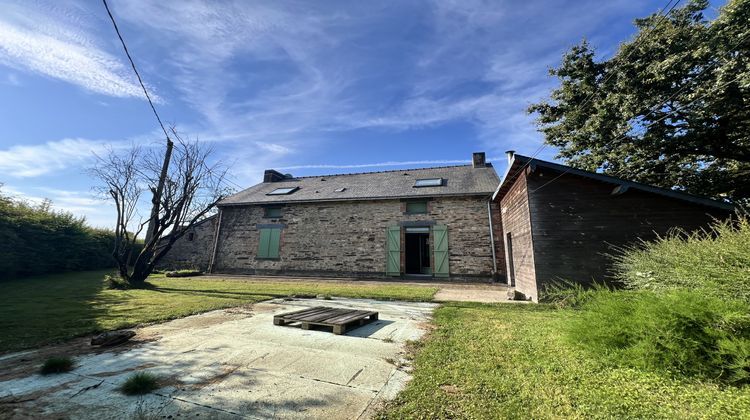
{"x":218,"y":293}
{"x":47,"y":309}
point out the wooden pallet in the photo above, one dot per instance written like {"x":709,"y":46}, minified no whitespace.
{"x":338,"y":318}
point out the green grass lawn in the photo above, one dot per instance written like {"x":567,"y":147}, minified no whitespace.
{"x":512,"y":361}
{"x":46,"y":309}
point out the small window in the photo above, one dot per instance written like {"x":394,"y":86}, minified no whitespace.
{"x":283,"y":191}
{"x":268,"y":243}
{"x":190,"y":236}
{"x":429,"y":182}
{"x":272,"y":212}
{"x":416,"y":207}
{"x":340,"y":189}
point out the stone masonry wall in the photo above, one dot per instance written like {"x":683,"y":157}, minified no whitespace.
{"x":192,"y":251}
{"x":349,"y":238}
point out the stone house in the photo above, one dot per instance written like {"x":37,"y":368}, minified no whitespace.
{"x":542,"y":223}
{"x":431,"y":222}
{"x":562,"y":223}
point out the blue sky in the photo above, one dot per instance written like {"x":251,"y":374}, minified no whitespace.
{"x":309,"y":87}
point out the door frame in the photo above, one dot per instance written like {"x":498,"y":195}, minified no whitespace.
{"x":419,"y":230}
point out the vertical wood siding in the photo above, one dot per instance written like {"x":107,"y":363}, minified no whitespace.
{"x":516,"y":220}
{"x":577,"y":222}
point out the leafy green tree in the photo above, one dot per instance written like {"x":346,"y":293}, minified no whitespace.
{"x":670,"y":108}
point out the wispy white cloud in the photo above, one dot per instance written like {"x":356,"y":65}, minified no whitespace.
{"x":388,"y":164}
{"x":70,"y":198}
{"x":275,"y":80}
{"x":308,"y":72}
{"x":98,"y":213}
{"x":11,"y":79}
{"x":59,"y":45}
{"x":35,"y":160}
{"x":277,"y":149}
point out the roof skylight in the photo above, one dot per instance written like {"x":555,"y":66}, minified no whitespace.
{"x":283,"y":191}
{"x":428,"y":182}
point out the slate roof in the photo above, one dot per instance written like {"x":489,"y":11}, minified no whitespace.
{"x":519,"y":162}
{"x":458,"y":181}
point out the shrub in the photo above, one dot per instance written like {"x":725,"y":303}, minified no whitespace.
{"x":114,"y":281}
{"x":183,"y":273}
{"x":569,"y":294}
{"x":140,"y":383}
{"x":57,"y":365}
{"x":716,"y":261}
{"x":683,"y":332}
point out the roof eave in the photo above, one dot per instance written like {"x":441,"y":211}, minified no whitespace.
{"x":679,"y":195}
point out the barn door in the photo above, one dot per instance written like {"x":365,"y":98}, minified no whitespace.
{"x":393,"y":251}
{"x":440,"y":238}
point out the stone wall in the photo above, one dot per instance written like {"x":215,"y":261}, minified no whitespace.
{"x":348,"y":238}
{"x":193,"y":250}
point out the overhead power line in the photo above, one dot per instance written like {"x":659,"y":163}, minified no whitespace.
{"x":138,"y":75}
{"x":697,"y":76}
{"x":639,"y":39}
{"x":667,"y":115}
{"x":641,"y":36}
{"x":143,"y":85}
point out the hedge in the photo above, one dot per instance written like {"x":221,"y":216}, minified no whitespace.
{"x":38,"y":240}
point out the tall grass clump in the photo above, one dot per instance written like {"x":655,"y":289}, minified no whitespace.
{"x":715,"y":261}
{"x":140,"y":383}
{"x":678,"y":332}
{"x":58,"y":364}
{"x":569,"y":294}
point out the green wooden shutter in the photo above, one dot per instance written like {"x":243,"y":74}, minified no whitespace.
{"x":265,"y":239}
{"x":440,"y":235}
{"x":393,"y":251}
{"x":273,"y":243}
{"x":268,"y":245}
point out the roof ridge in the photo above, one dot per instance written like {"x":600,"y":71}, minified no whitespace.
{"x":383,"y":172}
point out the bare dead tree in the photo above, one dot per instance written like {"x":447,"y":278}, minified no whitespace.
{"x":192,"y":188}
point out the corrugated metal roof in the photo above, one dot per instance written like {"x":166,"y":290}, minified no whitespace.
{"x":458,"y":180}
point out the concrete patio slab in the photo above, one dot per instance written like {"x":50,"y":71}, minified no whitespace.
{"x":230,"y":363}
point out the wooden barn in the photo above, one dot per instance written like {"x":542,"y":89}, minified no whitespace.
{"x":560,"y":223}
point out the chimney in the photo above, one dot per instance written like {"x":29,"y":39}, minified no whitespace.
{"x":272,"y":176}
{"x":478,"y":160}
{"x":510,"y":154}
